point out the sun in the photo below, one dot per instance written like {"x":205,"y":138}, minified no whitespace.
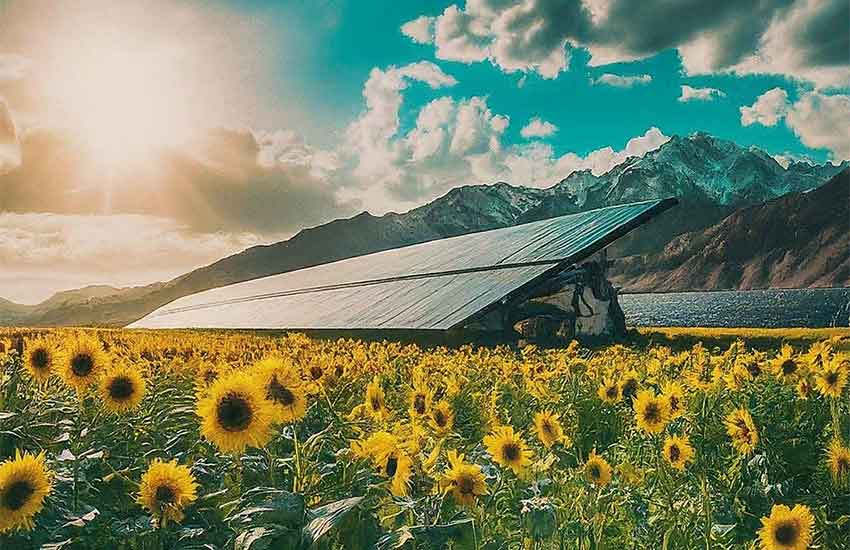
{"x":122,"y":100}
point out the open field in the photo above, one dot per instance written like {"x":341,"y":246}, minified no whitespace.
{"x":685,"y":438}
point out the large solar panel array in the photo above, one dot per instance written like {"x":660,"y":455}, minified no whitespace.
{"x":435,"y":285}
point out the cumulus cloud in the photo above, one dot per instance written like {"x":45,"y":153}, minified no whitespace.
{"x":819,"y":120}
{"x":806,"y":39}
{"x":699,"y":94}
{"x":420,"y":30}
{"x":538,"y":128}
{"x":621,"y":81}
{"x":45,"y":253}
{"x":768,"y":109}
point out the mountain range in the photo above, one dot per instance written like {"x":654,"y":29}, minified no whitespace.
{"x":727,"y":232}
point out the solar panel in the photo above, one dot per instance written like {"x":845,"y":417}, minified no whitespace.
{"x":429,"y":286}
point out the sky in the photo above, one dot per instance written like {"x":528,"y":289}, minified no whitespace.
{"x":139,"y":140}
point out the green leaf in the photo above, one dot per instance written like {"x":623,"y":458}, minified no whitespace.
{"x":249,"y":539}
{"x":326,"y":518}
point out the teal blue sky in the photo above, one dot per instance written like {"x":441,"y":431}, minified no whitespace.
{"x":326,"y":50}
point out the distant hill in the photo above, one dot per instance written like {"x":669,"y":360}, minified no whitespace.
{"x":799,"y":240}
{"x":712,"y":178}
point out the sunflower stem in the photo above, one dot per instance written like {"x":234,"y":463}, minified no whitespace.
{"x":296,"y":479}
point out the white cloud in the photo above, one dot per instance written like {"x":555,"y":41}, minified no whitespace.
{"x":819,"y":120}
{"x":286,"y":149}
{"x":420,"y":30}
{"x":822,"y":122}
{"x":699,"y":94}
{"x":805,"y":40}
{"x":620,"y":81}
{"x":768,"y":109}
{"x":371,"y":134}
{"x":460,"y":37}
{"x":538,"y":128}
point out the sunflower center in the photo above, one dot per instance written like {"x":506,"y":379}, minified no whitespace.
{"x":786,"y":534}
{"x":511,"y":452}
{"x":17,"y":495}
{"x":546,"y":427}
{"x":611,"y":392}
{"x":279,"y":393}
{"x":674,"y":453}
{"x":234,"y":413}
{"x":121,"y":388}
{"x":595,"y":472}
{"x":440,"y":418}
{"x":82,"y":364}
{"x":40,"y":359}
{"x":674,"y":403}
{"x":466,"y":485}
{"x":315,"y":372}
{"x":842,"y":465}
{"x":629,"y":389}
{"x":419,"y":403}
{"x":165,"y":495}
{"x":652,"y":413}
{"x":832,"y":378}
{"x":754,"y":369}
{"x":392,"y":466}
{"x":375,"y":402}
{"x":339,"y":370}
{"x":789,"y":367}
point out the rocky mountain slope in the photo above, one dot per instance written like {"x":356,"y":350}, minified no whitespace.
{"x":712,"y":178}
{"x":799,"y":240}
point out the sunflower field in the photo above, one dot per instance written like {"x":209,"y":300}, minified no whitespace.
{"x":232,"y":440}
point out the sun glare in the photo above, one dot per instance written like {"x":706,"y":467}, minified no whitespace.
{"x":123,"y":103}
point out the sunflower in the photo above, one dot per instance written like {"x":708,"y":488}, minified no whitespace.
{"x":375,"y":406}
{"x":629,"y":385}
{"x":678,"y":451}
{"x":282,"y":389}
{"x":166,"y":489}
{"x":831,"y":378}
{"x":804,"y":388}
{"x":609,"y":391}
{"x":786,"y":368}
{"x":674,"y":396}
{"x":40,"y":358}
{"x":650,"y":412}
{"x":838,"y":460}
{"x":464,"y":481}
{"x":316,"y":372}
{"x":420,"y":401}
{"x":235,"y":413}
{"x":397,"y":466}
{"x":122,"y":388}
{"x":84,"y":361}
{"x":742,"y":430}
{"x":442,"y":418}
{"x":597,"y":470}
{"x":508,"y":449}
{"x":389,"y":457}
{"x":548,"y":428}
{"x":206,"y":373}
{"x":787,"y":528}
{"x":24,"y":483}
